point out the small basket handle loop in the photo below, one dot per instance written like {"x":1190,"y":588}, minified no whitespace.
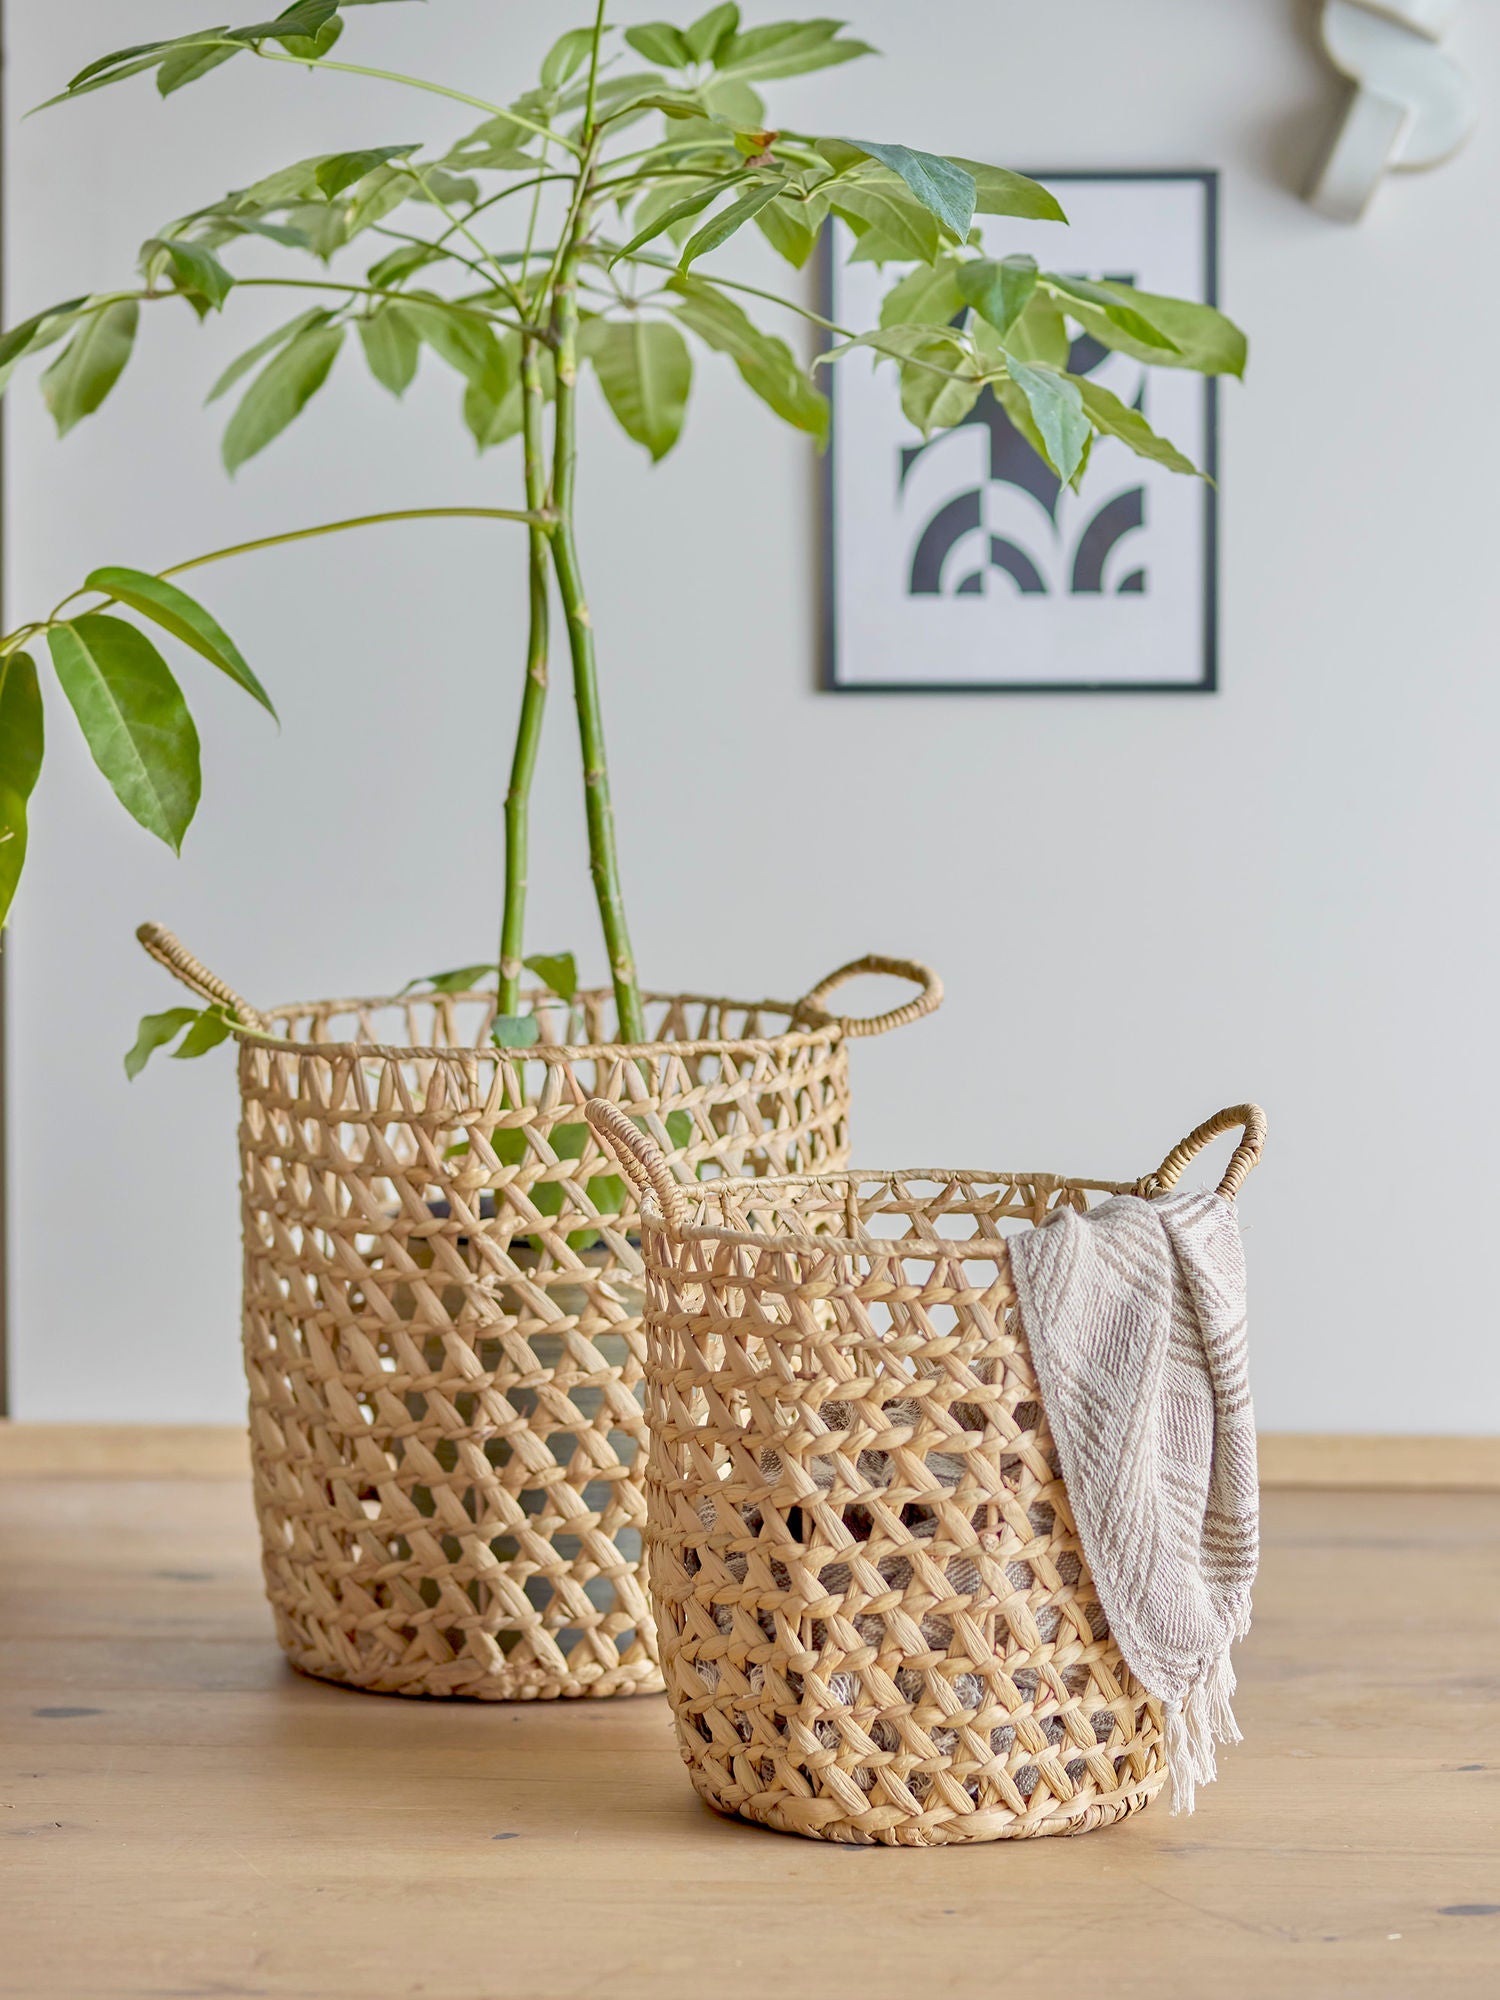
{"x":1246,"y":1154}
{"x":168,"y":951}
{"x":643,"y":1160}
{"x":856,"y":1026}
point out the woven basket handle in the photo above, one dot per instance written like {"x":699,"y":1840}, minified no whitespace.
{"x":167,"y":951}
{"x":928,"y":999}
{"x":1246,"y":1154}
{"x":644,"y":1162}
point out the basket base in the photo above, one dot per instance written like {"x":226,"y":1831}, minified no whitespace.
{"x":461,"y":1680}
{"x":971,"y":1830}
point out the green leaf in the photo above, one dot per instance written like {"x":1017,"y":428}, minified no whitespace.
{"x":1073,"y":291}
{"x":785,"y":227}
{"x":21,"y":746}
{"x":184,"y":617}
{"x":558,"y":974}
{"x":185,"y":65}
{"x":462,"y":339}
{"x":90,"y":365}
{"x":392,"y":347}
{"x":40,"y":331}
{"x":154,"y":1032}
{"x":766,"y":364}
{"x":314,"y":46}
{"x":439,"y":187}
{"x":211,"y":1027}
{"x":462,"y":979}
{"x":243,"y":363}
{"x":711,"y":34}
{"x":137,"y":56}
{"x":570,"y":1142}
{"x":947,"y":190}
{"x":646,"y":373}
{"x":515,"y":1031}
{"x":1000,"y":192}
{"x":493,"y":403}
{"x":566,"y":57}
{"x":680,"y":1128}
{"x":660,"y":43}
{"x":1001,"y":292}
{"x":134,"y":720}
{"x":401,"y":262}
{"x":1040,"y":334}
{"x":196,"y":269}
{"x":1058,"y":413}
{"x":180,"y":50}
{"x":341,"y":170}
{"x":305,"y":17}
{"x":1116,"y":419}
{"x":298,"y":182}
{"x":609,"y":1195}
{"x":280,"y":392}
{"x":729,"y":101}
{"x":898,"y":229}
{"x":657,"y":219}
{"x":928,"y":296}
{"x":901,"y":342}
{"x":933,"y":401}
{"x":719,"y":228}
{"x":788,"y":48}
{"x":1204,"y":338}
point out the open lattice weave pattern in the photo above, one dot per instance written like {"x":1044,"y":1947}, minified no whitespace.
{"x":876,"y":1619}
{"x":442,"y":1320}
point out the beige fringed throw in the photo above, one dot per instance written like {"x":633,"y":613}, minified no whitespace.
{"x":1135,"y":1315}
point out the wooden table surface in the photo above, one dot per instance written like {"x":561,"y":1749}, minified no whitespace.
{"x":182,"y":1817}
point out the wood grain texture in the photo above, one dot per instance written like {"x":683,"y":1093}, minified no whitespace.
{"x":1402,"y":1464}
{"x":181,"y":1815}
{"x":219,"y":1451}
{"x":124,"y":1451}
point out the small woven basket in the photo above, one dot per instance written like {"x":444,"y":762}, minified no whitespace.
{"x":442,"y":1310}
{"x":876,"y":1619}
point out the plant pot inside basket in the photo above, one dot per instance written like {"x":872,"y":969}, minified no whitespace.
{"x":443,"y":1325}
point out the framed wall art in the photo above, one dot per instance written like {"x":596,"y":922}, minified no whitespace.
{"x":960,"y":564}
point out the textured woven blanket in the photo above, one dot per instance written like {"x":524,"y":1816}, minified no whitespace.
{"x":1135,"y":1315}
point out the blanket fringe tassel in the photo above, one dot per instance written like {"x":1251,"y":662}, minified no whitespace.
{"x":1194,"y":1725}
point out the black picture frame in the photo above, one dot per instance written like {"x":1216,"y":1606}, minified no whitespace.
{"x":828,"y":677}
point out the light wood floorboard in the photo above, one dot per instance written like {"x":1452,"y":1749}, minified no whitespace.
{"x":182,"y":1818}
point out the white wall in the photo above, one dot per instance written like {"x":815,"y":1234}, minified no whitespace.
{"x":1144,"y":906}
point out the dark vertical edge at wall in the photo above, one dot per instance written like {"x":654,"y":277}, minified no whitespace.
{"x":1211,"y":444}
{"x":828,"y":550}
{"x":5,"y":935}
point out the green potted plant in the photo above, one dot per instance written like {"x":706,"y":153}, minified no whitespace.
{"x":442,"y":1325}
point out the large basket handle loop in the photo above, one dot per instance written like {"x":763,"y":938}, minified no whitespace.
{"x":855,"y":1026}
{"x":1246,"y":1154}
{"x":170,"y":952}
{"x":644,"y":1162}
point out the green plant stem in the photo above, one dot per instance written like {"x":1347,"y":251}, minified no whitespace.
{"x":534,"y":692}
{"x":411,"y":83}
{"x":604,"y":865}
{"x":374,"y":291}
{"x":730,"y":285}
{"x":540,"y":520}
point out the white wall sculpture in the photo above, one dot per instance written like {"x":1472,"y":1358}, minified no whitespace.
{"x":1412,"y":106}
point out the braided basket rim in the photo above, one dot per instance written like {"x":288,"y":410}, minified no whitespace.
{"x":760,"y":1194}
{"x":825,"y":1029}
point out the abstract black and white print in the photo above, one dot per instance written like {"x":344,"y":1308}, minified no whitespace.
{"x":961,"y":562}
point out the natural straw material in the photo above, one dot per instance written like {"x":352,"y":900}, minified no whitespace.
{"x":442,"y":1312}
{"x":875,"y":1616}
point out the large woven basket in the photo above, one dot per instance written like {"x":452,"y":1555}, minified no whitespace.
{"x":442,"y":1311}
{"x":876,"y":1619}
